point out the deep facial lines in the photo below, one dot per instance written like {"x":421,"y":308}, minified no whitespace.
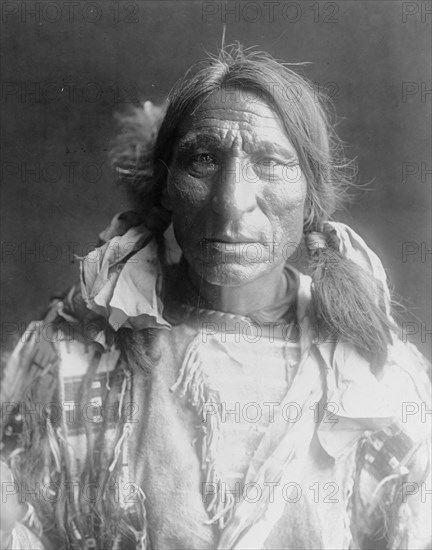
{"x":232,"y":184}
{"x":225,"y":145}
{"x":233,"y":131}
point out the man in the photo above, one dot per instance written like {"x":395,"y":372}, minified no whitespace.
{"x":236,"y":402}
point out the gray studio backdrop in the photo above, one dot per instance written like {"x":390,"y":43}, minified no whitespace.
{"x":67,"y":67}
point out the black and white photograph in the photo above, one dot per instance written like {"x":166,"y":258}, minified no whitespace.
{"x":216,"y":275}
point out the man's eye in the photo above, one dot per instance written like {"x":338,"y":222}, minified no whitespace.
{"x":269,"y":163}
{"x":203,"y":163}
{"x":273,"y":163}
{"x":274,"y":169}
{"x":204,"y":158}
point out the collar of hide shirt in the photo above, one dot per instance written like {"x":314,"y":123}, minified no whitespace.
{"x":121,"y":282}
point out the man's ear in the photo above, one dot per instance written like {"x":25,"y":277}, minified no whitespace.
{"x":166,"y":201}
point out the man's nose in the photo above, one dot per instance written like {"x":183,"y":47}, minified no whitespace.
{"x":234,"y":193}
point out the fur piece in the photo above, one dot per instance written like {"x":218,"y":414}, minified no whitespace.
{"x":132,"y":152}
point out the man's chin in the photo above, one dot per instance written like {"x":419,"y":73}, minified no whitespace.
{"x":231,"y":274}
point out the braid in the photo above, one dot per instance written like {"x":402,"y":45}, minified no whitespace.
{"x":347,"y":300}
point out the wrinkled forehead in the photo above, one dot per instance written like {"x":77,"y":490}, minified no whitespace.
{"x":231,"y":116}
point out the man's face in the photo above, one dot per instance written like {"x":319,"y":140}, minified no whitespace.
{"x":235,"y":189}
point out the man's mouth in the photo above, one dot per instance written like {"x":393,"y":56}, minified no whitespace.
{"x":234,"y":249}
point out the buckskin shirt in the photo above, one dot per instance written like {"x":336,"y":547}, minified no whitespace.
{"x":138,"y":419}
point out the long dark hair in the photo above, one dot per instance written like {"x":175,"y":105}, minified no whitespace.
{"x":346,"y":299}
